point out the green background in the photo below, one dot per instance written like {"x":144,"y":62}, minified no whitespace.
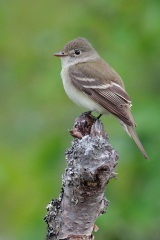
{"x":35,"y":113}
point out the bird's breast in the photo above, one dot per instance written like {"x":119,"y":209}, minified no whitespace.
{"x":77,"y":96}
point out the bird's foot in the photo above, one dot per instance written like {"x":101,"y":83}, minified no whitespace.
{"x":87,"y":113}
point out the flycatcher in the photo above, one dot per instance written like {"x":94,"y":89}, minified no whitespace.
{"x":91,"y":83}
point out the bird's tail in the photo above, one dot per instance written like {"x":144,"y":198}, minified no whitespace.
{"x":132,"y":133}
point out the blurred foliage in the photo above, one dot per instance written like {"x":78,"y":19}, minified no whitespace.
{"x":36,"y":114}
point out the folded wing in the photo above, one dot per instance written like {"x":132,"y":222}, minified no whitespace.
{"x":102,"y":88}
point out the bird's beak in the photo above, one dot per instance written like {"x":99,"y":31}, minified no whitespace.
{"x":60,"y":54}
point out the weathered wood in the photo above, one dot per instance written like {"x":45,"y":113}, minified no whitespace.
{"x":91,"y":163}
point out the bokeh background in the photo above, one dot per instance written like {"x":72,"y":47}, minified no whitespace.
{"x":35,"y":113}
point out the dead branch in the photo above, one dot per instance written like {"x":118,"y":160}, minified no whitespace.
{"x":91,"y":163}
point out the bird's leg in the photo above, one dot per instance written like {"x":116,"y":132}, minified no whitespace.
{"x":100,"y":115}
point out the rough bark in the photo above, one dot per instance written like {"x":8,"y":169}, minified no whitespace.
{"x":91,"y":163}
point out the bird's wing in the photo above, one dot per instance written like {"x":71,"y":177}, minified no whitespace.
{"x":102,"y":87}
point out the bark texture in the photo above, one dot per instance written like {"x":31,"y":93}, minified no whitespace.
{"x":91,"y":163}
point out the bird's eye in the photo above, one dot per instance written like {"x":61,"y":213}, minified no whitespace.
{"x":77,"y":52}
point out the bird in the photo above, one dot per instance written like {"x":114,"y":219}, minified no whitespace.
{"x":90,"y":82}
